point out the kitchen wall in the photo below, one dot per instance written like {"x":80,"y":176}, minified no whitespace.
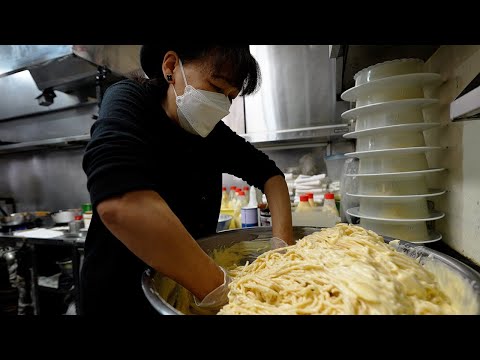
{"x":458,"y":64}
{"x":53,"y":179}
{"x":45,"y":179}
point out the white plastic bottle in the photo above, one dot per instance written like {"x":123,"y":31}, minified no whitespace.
{"x":246,"y":190}
{"x":231,"y":196}
{"x":224,"y":203}
{"x":329,"y":204}
{"x":303,"y":205}
{"x":310,"y":200}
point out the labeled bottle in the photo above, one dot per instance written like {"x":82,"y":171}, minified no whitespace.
{"x":238,"y":203}
{"x":311,"y":200}
{"x":224,"y":198}
{"x":329,"y":204}
{"x":231,"y":196}
{"x":265,"y":218}
{"x":249,"y":213}
{"x":246,"y":190}
{"x":303,"y":205}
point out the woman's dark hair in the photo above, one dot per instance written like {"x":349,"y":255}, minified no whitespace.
{"x":235,"y":60}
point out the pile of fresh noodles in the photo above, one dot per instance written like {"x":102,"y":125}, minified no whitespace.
{"x":341,"y":270}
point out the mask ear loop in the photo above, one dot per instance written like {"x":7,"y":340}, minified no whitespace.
{"x":183,"y":74}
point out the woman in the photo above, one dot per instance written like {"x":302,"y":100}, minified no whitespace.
{"x":154,"y":166}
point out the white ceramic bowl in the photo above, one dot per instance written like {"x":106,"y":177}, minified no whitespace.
{"x":391,"y":163}
{"x":413,"y":231}
{"x":400,"y":186}
{"x":392,"y":140}
{"x":415,"y":208}
{"x":388,"y":68}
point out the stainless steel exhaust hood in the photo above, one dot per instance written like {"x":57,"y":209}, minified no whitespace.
{"x":72,"y":69}
{"x":296,"y":102}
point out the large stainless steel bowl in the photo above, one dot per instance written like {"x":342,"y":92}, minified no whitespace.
{"x":427,"y":257}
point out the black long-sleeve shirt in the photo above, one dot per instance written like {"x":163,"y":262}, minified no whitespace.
{"x":134,"y":146}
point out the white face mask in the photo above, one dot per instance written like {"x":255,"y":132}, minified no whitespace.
{"x":199,"y":110}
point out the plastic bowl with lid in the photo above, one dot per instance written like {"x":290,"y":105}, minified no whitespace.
{"x":390,"y":163}
{"x":389,"y":118}
{"x":377,"y":95}
{"x":391,"y":140}
{"x":410,"y":231}
{"x":387,"y":69}
{"x":414,"y":208}
{"x":416,"y":185}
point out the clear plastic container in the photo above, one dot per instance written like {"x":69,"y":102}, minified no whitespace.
{"x":334,"y":164}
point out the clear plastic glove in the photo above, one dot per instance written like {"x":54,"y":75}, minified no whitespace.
{"x":277,"y":243}
{"x":217,"y":297}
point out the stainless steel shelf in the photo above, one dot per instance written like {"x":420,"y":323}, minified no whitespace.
{"x":298,"y":138}
{"x":55,"y":143}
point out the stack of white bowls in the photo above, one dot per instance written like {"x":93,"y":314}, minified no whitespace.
{"x":389,"y":101}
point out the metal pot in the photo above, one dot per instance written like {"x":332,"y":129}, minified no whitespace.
{"x":230,"y":237}
{"x":12,"y":219}
{"x":16,"y":219}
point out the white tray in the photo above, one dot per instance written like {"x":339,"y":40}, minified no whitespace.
{"x":395,"y":175}
{"x":397,"y":151}
{"x":407,"y":80}
{"x":390,"y":129}
{"x":431,"y":193}
{"x":434,"y":215}
{"x":388,"y":106}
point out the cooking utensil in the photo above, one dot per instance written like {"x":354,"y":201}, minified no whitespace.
{"x":13,"y":219}
{"x":224,"y":239}
{"x":3,"y":211}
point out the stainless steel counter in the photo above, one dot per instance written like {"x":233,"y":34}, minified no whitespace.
{"x":76,"y":242}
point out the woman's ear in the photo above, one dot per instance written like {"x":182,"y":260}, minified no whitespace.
{"x":170,"y":62}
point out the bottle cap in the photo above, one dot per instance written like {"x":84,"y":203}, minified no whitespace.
{"x":329,"y":196}
{"x":303,"y":197}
